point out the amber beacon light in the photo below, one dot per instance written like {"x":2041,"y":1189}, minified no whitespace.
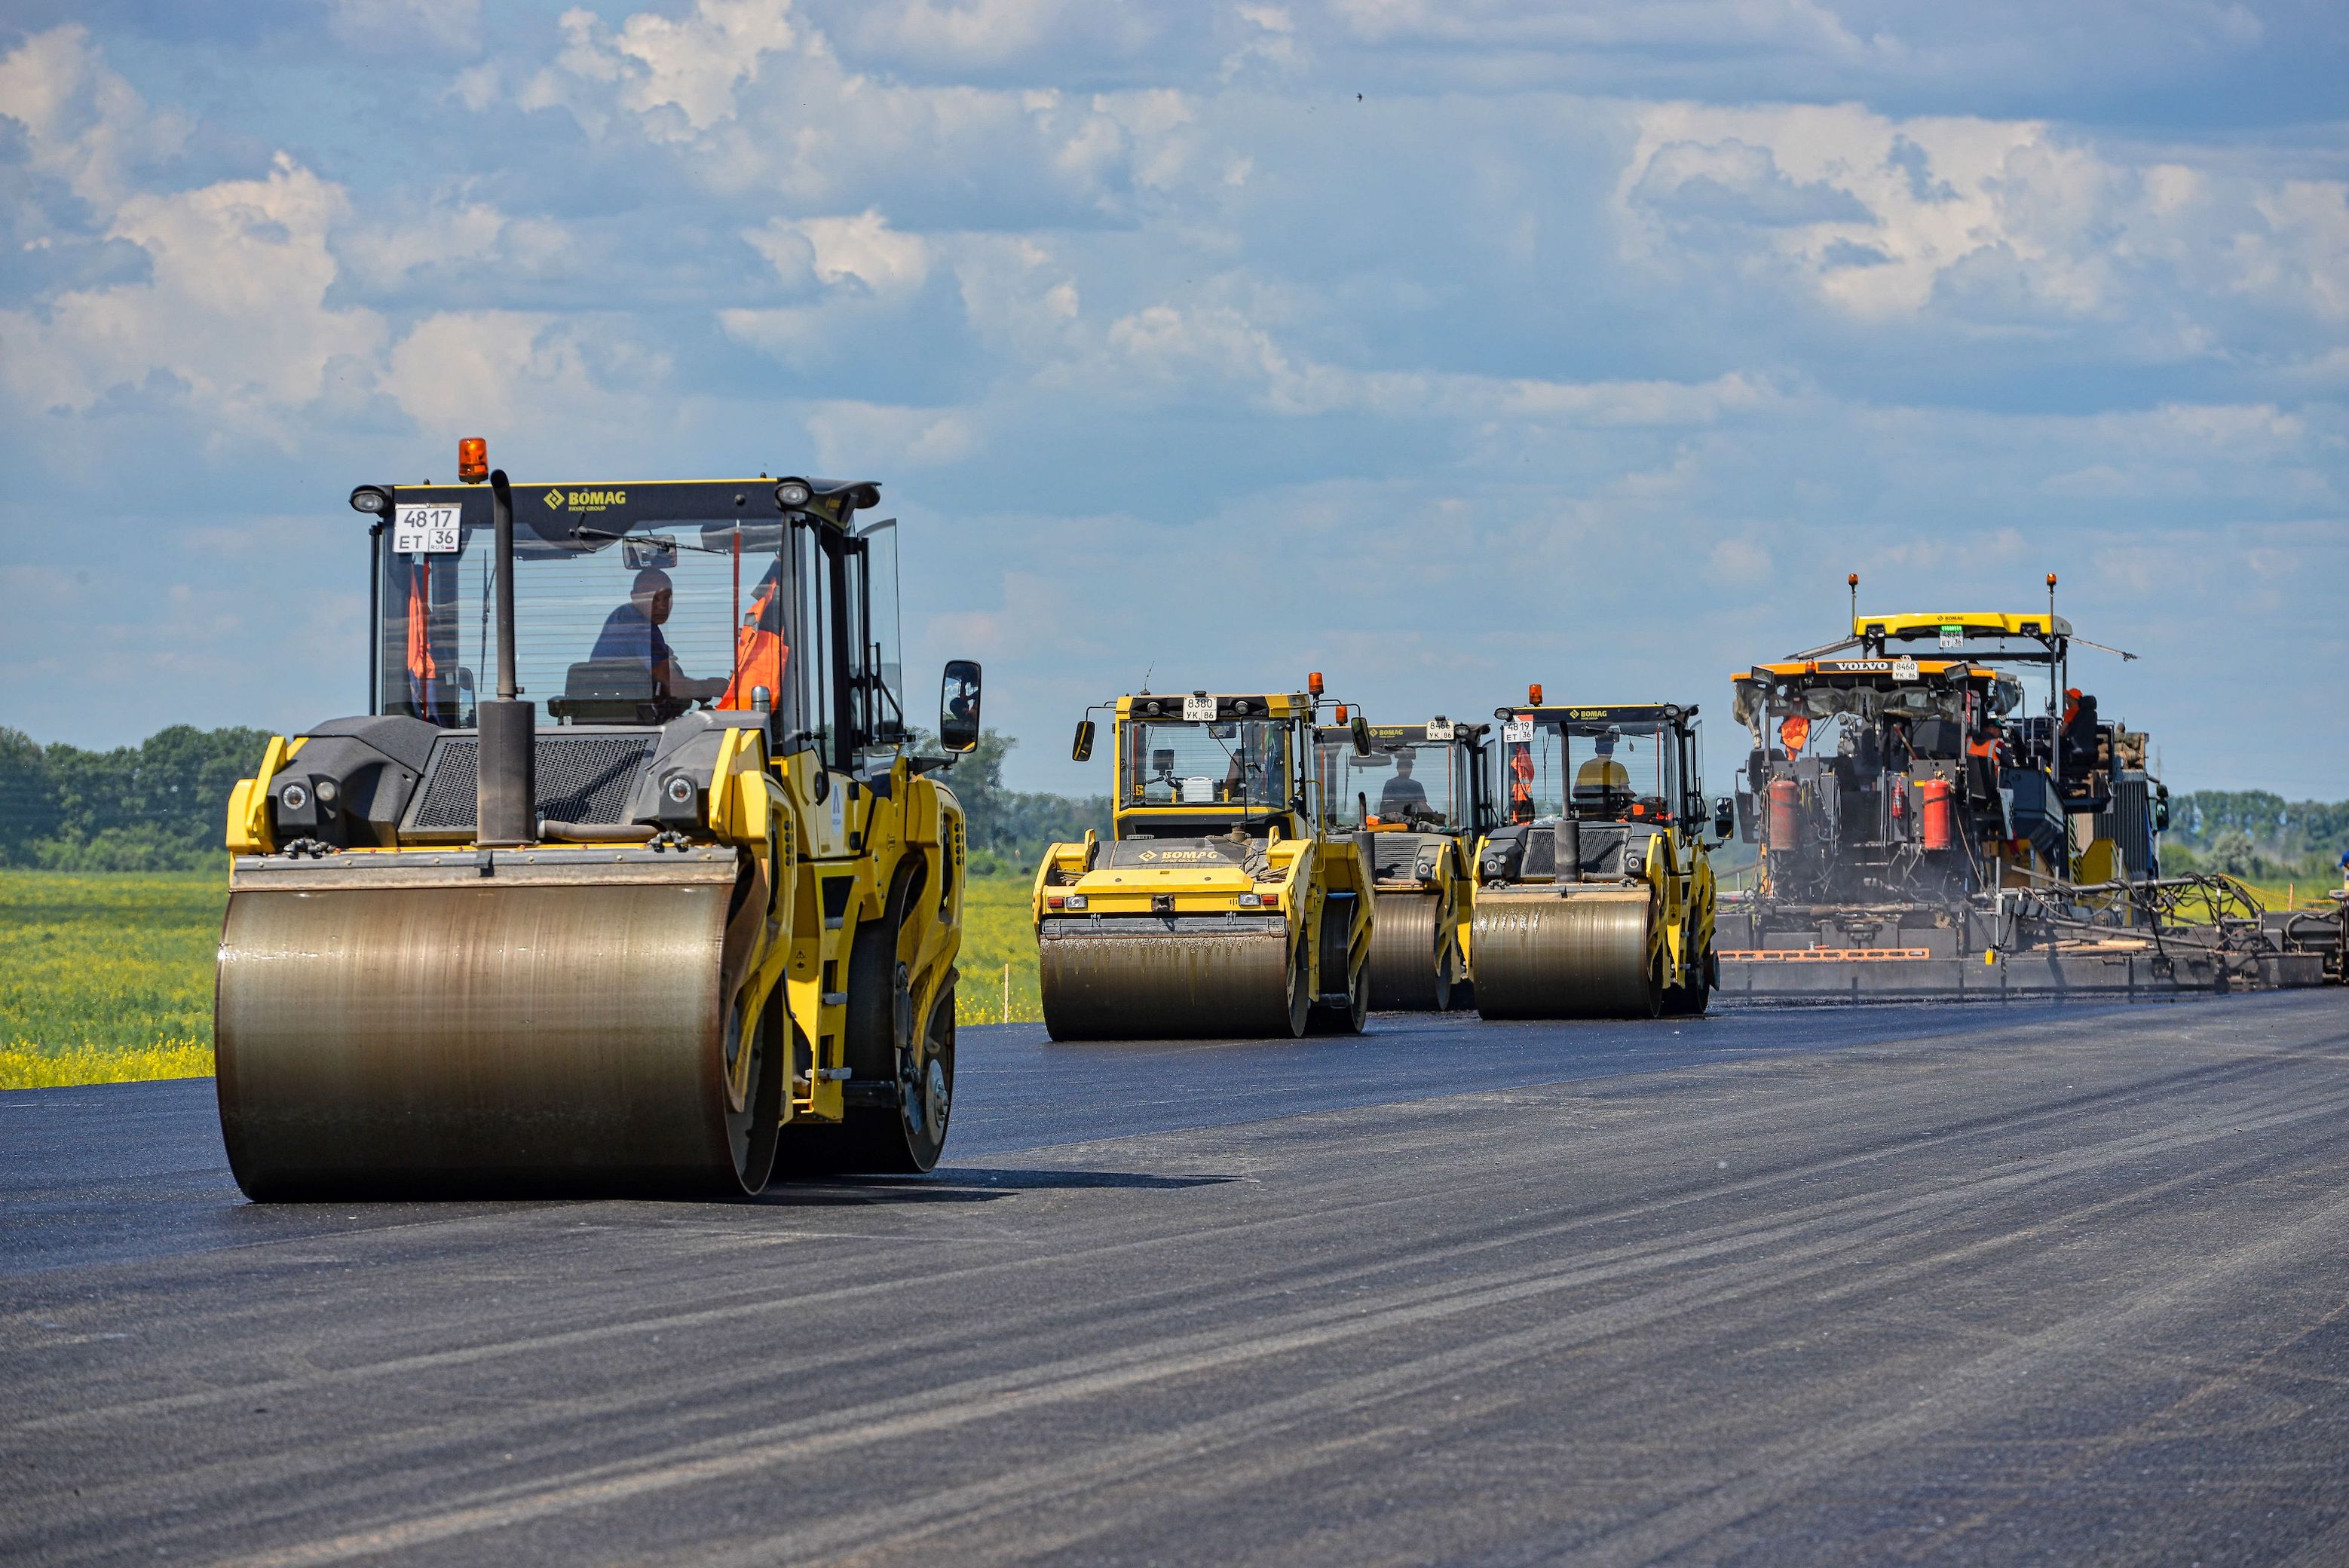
{"x":472,"y":459}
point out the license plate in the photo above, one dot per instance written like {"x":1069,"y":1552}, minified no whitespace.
{"x":427,"y":531}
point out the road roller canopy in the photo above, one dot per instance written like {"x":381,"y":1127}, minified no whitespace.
{"x":1417,"y":776}
{"x":1204,"y":761}
{"x":1954,"y":628}
{"x":1633,"y":762}
{"x":635,"y":601}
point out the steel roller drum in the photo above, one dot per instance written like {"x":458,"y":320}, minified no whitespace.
{"x":1402,"y":953}
{"x":1582,"y":956}
{"x":1155,"y":978}
{"x":496,"y":1035}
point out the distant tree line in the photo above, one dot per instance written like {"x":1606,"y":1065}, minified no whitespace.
{"x":2255,"y":833}
{"x":162,"y":805}
{"x":1010,"y":828}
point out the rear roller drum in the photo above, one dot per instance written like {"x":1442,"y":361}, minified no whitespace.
{"x":1149,"y":979}
{"x":1586,"y":955}
{"x":482,"y":1039}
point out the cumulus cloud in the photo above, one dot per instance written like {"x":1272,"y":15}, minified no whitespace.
{"x":1568,"y":298}
{"x":235,"y":310}
{"x":1993,"y":222}
{"x":756,"y":102}
{"x":84,"y":125}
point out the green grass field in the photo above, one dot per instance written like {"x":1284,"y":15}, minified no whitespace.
{"x":106,"y":978}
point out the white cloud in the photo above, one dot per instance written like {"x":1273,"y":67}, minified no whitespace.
{"x":1164,"y":350}
{"x":1995,"y":223}
{"x":862,"y":250}
{"x":822,"y":135}
{"x":853,"y":438}
{"x":235,"y":309}
{"x":679,"y":75}
{"x":84,"y":124}
{"x":526,"y":374}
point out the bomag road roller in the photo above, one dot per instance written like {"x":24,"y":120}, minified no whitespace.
{"x":1228,"y":903}
{"x":627,"y":880}
{"x":1595,"y":895}
{"x":1420,"y":796}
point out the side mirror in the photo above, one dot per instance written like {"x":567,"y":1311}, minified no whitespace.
{"x":958,"y":706}
{"x":1724,"y":818}
{"x":1361,"y":727}
{"x":1081,"y":748}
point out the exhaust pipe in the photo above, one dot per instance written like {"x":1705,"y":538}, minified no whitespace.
{"x":1569,"y":849}
{"x":507,"y":806}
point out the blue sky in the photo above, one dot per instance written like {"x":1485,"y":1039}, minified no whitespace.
{"x":1438,"y":344}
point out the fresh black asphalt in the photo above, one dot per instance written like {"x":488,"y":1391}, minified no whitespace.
{"x":1994,"y":1285}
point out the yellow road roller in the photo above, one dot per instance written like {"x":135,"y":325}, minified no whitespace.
{"x":1595,"y":893}
{"x":687,"y":910}
{"x":1228,"y":903}
{"x":1420,"y":794}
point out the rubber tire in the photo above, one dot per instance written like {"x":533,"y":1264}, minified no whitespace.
{"x":875,"y":1140}
{"x":1322,"y":1018}
{"x":1658,"y":993}
{"x":1300,"y":990}
{"x":756,"y":1130}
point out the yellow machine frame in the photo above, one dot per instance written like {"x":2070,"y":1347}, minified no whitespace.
{"x":841,"y":890}
{"x":1126,"y":978}
{"x":1402,"y":975}
{"x":1632,"y":941}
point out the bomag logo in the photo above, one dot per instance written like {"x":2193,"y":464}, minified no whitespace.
{"x":585,"y":500}
{"x":1179,"y":856}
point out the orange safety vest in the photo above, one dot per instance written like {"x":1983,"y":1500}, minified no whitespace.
{"x":1521,"y":782}
{"x":422,"y":668}
{"x":759,"y":650}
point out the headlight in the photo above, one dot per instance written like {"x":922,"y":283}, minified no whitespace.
{"x":1076,"y":901}
{"x":679,"y":789}
{"x":792,"y":493}
{"x":295,"y":797}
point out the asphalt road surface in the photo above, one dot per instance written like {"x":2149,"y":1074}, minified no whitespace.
{"x":1920,"y":1286}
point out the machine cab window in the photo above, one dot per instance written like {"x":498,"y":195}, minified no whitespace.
{"x":1612,"y":765}
{"x":1418,"y":784}
{"x":620,"y":620}
{"x":1239,"y":763}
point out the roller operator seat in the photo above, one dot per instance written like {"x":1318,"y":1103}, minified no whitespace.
{"x":1602,"y":788}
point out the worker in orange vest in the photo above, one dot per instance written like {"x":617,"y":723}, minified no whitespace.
{"x":759,"y":650}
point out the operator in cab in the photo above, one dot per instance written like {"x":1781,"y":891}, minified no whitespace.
{"x":1602,"y":784}
{"x":1403,"y":795}
{"x":632,"y":635}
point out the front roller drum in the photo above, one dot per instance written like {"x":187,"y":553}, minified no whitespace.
{"x":1582,"y":956}
{"x":1157,"y":978}
{"x":431,"y":1041}
{"x":1410,"y":970}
